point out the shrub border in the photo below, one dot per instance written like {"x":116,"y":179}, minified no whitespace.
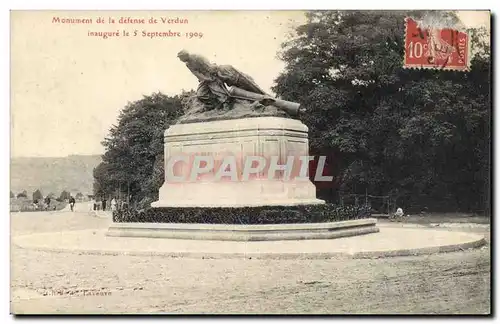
{"x":244,"y":215}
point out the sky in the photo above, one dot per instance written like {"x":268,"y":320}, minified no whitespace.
{"x":67,"y":88}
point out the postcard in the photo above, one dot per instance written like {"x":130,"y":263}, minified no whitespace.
{"x":250,"y":162}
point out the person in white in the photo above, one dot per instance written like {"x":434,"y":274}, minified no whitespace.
{"x":92,"y":204}
{"x":399,"y":212}
{"x":113,"y":204}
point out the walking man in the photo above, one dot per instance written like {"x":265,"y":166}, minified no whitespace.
{"x":71,"y":202}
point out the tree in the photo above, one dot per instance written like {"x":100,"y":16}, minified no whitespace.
{"x":37,"y":195}
{"x":421,"y":135}
{"x":22,"y":194}
{"x":134,"y":148}
{"x":79,"y":196}
{"x":64,"y":195}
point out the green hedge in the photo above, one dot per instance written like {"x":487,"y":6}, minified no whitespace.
{"x":244,"y":215}
{"x":26,"y":205}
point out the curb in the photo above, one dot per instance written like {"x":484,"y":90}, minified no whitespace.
{"x":422,"y":251}
{"x":275,"y":256}
{"x":245,"y":233}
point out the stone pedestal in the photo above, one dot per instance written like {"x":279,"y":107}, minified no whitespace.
{"x":267,"y":137}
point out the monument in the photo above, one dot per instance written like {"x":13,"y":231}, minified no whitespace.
{"x":225,"y":93}
{"x":241,"y":121}
{"x":230,"y":118}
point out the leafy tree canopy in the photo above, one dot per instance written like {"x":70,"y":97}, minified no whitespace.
{"x":22,"y":194}
{"x":64,"y":195}
{"x":37,"y":195}
{"x":134,"y":148}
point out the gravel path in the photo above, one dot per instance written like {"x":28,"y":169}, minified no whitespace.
{"x":44,"y":282}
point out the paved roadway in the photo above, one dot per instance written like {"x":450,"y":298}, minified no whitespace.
{"x":44,"y":282}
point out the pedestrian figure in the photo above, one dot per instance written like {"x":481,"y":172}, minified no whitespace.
{"x":104,"y":204}
{"x":92,"y":204}
{"x":398,"y":215}
{"x":72,"y":202}
{"x":113,"y":205}
{"x":47,"y":203}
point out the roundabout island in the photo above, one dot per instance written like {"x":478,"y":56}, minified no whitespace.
{"x":392,"y":240}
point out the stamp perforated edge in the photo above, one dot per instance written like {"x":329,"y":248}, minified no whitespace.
{"x":407,"y":66}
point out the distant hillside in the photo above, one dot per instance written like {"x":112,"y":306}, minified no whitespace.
{"x":53,"y":174}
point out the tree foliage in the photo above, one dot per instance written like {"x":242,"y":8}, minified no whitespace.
{"x":64,"y":195}
{"x":420,"y":135}
{"x":22,"y":194}
{"x":37,"y":195}
{"x":133,"y":161}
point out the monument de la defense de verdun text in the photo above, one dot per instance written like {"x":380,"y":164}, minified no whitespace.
{"x":130,"y":21}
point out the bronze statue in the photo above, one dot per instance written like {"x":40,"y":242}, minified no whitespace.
{"x":223,"y":88}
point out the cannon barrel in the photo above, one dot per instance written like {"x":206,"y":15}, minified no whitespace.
{"x":291,"y":108}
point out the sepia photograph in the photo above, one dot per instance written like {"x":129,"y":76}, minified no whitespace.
{"x":251,"y":162}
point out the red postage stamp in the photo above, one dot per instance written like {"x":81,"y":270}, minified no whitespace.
{"x":435,"y":48}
